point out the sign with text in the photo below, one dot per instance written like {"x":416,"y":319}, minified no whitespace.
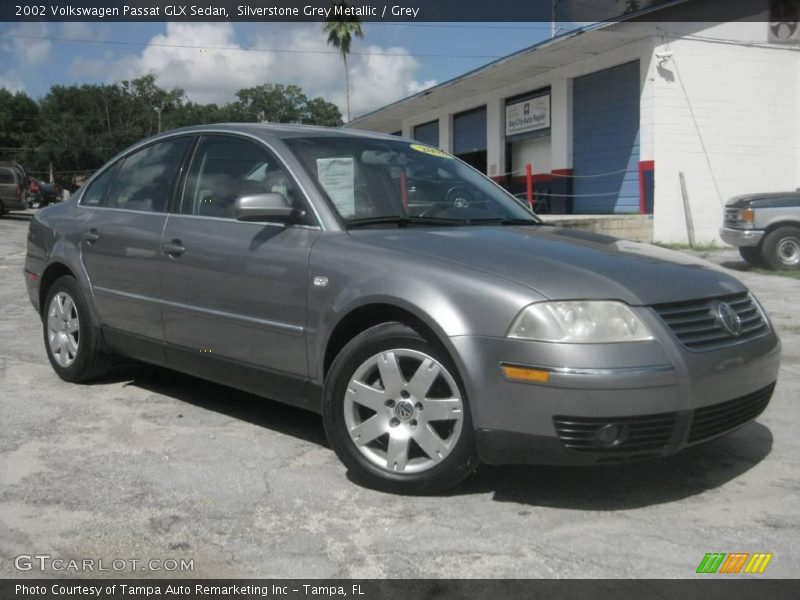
{"x":528,"y":115}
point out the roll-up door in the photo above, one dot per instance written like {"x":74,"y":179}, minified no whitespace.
{"x":469,"y":137}
{"x":605,"y":125}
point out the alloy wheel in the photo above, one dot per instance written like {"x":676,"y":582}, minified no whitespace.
{"x":63,"y":329}
{"x":403,"y":411}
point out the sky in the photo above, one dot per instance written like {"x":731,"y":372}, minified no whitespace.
{"x":394,"y":60}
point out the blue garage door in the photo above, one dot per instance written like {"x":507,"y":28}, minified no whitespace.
{"x":428,"y":133}
{"x":605,"y":126}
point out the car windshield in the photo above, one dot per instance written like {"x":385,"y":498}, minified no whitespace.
{"x":373,"y":181}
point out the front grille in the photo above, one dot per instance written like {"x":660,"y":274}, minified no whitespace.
{"x":732,"y":218}
{"x":697,"y":326}
{"x":640,"y":434}
{"x":718,"y":419}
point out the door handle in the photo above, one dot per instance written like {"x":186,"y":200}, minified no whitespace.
{"x":174,"y":248}
{"x":91,"y":235}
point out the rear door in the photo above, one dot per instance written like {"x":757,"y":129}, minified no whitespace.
{"x":122,"y":239}
{"x":234,"y":290}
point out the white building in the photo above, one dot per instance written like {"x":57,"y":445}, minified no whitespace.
{"x":609,"y":116}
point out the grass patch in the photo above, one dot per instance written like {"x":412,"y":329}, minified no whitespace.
{"x":697,"y":247}
{"x":795,"y":274}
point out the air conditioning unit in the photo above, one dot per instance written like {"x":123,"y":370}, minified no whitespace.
{"x":784,"y":21}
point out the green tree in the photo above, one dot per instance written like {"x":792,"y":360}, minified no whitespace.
{"x":278,"y":103}
{"x":80,"y":127}
{"x":19,"y":120}
{"x":340,"y":29}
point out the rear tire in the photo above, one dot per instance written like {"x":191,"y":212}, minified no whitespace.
{"x":396,"y":414}
{"x":71,"y":337}
{"x":781,"y":248}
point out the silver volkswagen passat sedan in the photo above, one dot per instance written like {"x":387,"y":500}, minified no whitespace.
{"x":431,"y":318}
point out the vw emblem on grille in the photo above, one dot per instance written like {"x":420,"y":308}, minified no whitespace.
{"x":404,"y":410}
{"x":728,"y":318}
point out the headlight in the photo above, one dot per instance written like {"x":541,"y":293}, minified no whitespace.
{"x":579,"y":322}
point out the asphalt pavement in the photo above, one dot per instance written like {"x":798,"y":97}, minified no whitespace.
{"x":153,"y":465}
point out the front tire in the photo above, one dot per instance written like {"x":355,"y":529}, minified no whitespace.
{"x":71,"y":337}
{"x":396,"y":414}
{"x":781,"y":248}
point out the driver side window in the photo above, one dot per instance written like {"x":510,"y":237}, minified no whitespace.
{"x":225,"y":168}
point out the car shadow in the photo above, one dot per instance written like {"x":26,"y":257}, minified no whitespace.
{"x":17,"y":216}
{"x":736,"y":265}
{"x":601,"y":487}
{"x":631,"y":485}
{"x":269,"y":414}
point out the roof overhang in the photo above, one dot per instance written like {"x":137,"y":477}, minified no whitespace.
{"x":552,"y":54}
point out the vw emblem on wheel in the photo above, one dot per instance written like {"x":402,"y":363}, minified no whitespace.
{"x":404,"y":410}
{"x":728,"y":318}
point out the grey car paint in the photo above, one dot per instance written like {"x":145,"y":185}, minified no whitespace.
{"x":465,"y":284}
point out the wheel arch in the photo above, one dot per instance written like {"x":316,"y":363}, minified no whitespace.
{"x":51,"y":273}
{"x":368,"y":314}
{"x":781,"y":223}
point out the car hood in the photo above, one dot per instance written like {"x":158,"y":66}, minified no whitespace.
{"x":562,"y":263}
{"x":767,"y":200}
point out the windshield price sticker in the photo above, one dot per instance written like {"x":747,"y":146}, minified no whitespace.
{"x":429,"y":150}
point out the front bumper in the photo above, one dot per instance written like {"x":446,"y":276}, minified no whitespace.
{"x":655,"y":397}
{"x":741,"y":237}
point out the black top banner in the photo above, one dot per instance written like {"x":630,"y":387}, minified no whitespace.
{"x":575,"y":11}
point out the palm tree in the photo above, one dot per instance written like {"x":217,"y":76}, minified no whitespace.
{"x":340,"y":29}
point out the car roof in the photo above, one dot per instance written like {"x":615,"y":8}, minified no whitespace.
{"x":280,"y":130}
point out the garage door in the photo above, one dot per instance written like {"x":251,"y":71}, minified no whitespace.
{"x":605,"y":125}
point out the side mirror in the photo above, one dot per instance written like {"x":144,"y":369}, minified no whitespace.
{"x":270,"y":207}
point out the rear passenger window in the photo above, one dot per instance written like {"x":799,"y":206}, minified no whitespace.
{"x":225,"y":168}
{"x":6,"y":176}
{"x":146,"y":178}
{"x":96,"y":192}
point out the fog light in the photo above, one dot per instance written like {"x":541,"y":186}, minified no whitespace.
{"x":608,"y":435}
{"x":525,"y":374}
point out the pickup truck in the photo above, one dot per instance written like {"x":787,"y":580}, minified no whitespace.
{"x":765,"y":228}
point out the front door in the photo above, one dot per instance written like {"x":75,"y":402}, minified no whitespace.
{"x":121,"y":240}
{"x":234,"y":290}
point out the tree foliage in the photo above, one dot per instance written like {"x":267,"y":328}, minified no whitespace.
{"x":80,"y":127}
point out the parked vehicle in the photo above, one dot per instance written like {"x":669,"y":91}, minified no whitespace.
{"x":50,"y":193}
{"x":288,"y":261}
{"x":13,"y":184}
{"x":765,"y":228}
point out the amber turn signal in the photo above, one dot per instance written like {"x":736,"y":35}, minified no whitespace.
{"x":525,"y":374}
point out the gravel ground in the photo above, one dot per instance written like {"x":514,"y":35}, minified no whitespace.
{"x":150,"y":464}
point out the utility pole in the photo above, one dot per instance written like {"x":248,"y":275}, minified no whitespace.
{"x":553,"y":22}
{"x":158,"y":110}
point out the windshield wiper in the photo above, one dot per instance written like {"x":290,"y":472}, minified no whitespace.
{"x":402,"y":221}
{"x":501,"y":221}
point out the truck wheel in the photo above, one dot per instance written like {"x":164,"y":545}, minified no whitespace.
{"x":781,"y":248}
{"x":396,"y":413}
